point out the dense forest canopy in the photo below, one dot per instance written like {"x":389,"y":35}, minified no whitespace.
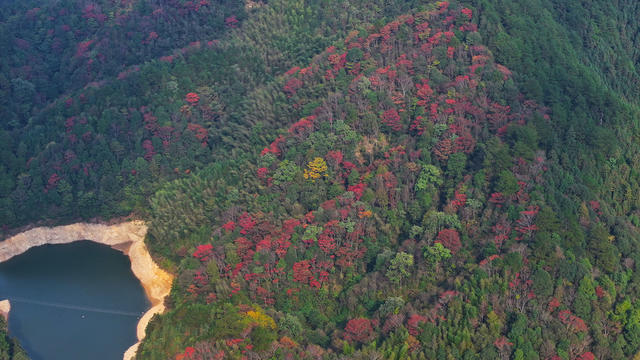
{"x":344,"y":179}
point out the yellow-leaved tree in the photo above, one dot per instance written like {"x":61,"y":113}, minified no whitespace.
{"x":315,"y":169}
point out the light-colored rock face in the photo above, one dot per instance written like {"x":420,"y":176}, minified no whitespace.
{"x":156,"y":282}
{"x":5,"y":307}
{"x":132,"y":231}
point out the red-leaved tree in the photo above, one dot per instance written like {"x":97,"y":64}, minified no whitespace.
{"x":192,"y":98}
{"x":203,"y":252}
{"x":359,"y":329}
{"x":450,"y":239}
{"x":392,"y":119}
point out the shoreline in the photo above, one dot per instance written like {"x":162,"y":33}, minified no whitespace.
{"x":5,"y":308}
{"x":127,"y":237}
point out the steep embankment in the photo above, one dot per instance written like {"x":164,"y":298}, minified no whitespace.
{"x":127,"y":237}
{"x":5,"y":307}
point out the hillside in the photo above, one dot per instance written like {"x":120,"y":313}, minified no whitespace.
{"x":103,"y":144}
{"x":365,"y":179}
{"x":411,"y":189}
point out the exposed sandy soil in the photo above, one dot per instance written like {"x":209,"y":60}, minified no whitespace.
{"x":5,"y":307}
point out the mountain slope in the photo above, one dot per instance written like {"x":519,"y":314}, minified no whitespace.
{"x":409,"y":189}
{"x":104,"y":147}
{"x":362,"y":179}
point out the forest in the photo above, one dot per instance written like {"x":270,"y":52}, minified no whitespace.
{"x":343,"y":179}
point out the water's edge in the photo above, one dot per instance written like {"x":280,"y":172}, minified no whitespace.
{"x":127,"y":237}
{"x":5,"y":307}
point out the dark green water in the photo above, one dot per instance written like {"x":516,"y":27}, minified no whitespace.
{"x":73,"y":301}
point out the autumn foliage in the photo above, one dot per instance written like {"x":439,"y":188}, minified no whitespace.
{"x":381,"y":156}
{"x":359,"y":330}
{"x":192,"y":98}
{"x":450,"y":239}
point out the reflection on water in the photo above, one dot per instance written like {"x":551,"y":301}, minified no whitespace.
{"x":73,"y":301}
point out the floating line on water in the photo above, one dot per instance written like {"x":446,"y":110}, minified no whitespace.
{"x":74,"y":307}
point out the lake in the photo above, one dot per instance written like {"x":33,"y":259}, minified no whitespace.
{"x":73,"y":301}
